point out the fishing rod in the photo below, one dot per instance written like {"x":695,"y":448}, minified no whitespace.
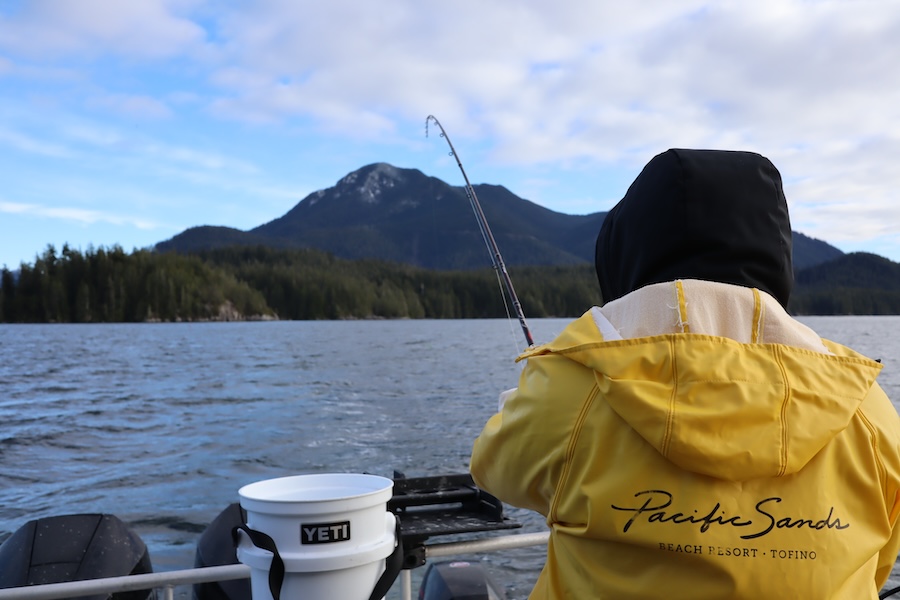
{"x":487,"y":236}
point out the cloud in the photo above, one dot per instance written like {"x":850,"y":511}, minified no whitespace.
{"x":77,"y":215}
{"x":90,"y":143}
{"x":204,"y":160}
{"x":131,"y":105}
{"x":550,"y":84}
{"x":524,"y":87}
{"x":596,"y":82}
{"x":32,"y":145}
{"x":151,"y":29}
{"x":812,"y":85}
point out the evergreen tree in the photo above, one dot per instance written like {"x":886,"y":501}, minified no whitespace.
{"x":108,"y":284}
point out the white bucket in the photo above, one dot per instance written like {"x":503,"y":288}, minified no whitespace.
{"x":332,"y":531}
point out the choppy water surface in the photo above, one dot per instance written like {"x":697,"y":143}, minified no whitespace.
{"x":160,"y":424}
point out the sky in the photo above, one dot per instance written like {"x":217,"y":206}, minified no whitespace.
{"x":125,"y":123}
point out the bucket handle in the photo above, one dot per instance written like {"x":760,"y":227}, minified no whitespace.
{"x":263,"y":541}
{"x":393,"y":564}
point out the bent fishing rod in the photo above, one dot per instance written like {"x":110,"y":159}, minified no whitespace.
{"x":487,"y":236}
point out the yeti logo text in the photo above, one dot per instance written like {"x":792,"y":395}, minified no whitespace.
{"x":324,"y":533}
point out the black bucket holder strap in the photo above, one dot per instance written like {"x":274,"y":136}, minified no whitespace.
{"x":263,"y":541}
{"x":393,"y":564}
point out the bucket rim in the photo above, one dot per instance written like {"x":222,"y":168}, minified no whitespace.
{"x":376,"y":485}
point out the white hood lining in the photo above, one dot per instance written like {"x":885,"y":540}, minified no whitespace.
{"x":742,"y":314}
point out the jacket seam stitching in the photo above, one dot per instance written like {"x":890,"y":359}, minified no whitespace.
{"x":757,"y":327}
{"x":570,"y":450}
{"x":784,"y":407}
{"x":873,"y":434}
{"x":670,"y":417}
{"x":681,"y":302}
{"x":867,"y":362}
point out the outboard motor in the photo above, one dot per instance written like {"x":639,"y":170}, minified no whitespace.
{"x":458,"y":580}
{"x":74,"y":548}
{"x":216,"y":548}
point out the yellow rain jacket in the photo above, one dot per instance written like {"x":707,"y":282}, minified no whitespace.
{"x":691,"y":440}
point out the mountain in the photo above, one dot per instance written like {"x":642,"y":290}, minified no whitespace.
{"x":809,"y":252}
{"x":402,"y":215}
{"x":857,"y":270}
{"x":858,"y":283}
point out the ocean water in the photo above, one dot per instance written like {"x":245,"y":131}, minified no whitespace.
{"x":161,"y":424}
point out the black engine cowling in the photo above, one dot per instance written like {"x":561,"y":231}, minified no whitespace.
{"x":215,"y":548}
{"x":74,"y":548}
{"x":458,"y":580}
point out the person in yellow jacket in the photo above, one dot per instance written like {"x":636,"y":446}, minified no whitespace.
{"x":689,"y":438}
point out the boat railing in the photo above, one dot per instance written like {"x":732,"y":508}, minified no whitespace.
{"x":166,"y":582}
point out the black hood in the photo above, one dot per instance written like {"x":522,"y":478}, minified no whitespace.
{"x":699,"y":214}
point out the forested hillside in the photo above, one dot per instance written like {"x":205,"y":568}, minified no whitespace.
{"x":257,"y":283}
{"x":243,"y":282}
{"x":853,"y":284}
{"x":109,"y":285}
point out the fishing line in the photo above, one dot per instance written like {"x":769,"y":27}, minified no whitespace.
{"x":487,"y":236}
